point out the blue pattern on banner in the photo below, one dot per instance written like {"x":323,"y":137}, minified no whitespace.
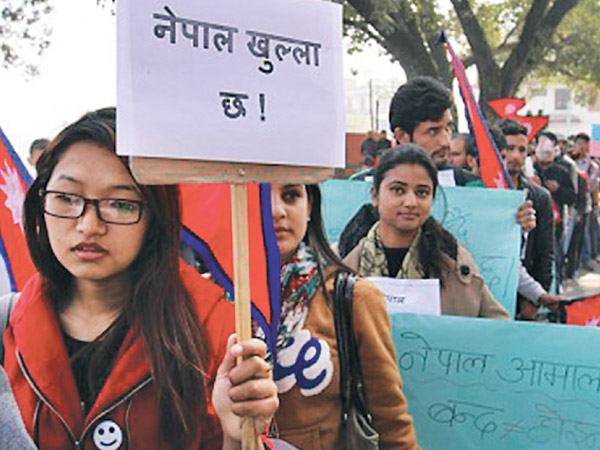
{"x":273,"y":259}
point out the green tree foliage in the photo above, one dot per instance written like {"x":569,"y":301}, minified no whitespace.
{"x":574,"y":56}
{"x":507,"y":40}
{"x":24,"y":35}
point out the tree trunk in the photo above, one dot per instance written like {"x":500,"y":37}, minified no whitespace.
{"x":495,"y":82}
{"x":400,"y":35}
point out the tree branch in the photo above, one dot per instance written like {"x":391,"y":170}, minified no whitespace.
{"x":401,"y":36}
{"x":364,"y":27}
{"x":510,"y":34}
{"x":534,"y":39}
{"x":482,"y":52}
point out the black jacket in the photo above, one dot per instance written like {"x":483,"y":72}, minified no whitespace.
{"x":539,"y":251}
{"x":565,"y":194}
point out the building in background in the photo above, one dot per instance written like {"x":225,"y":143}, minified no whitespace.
{"x":567,"y":115}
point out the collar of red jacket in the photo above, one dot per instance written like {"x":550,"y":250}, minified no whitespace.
{"x":40,"y":344}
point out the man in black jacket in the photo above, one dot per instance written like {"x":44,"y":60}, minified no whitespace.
{"x":538,"y":257}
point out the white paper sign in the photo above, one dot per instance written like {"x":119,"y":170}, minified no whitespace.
{"x":410,"y":295}
{"x":446,"y":178}
{"x":256,"y":81}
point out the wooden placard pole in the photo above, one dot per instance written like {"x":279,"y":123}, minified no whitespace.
{"x":241,"y":271}
{"x":173,"y":171}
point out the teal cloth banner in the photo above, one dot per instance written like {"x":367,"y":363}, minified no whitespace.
{"x":483,"y":220}
{"x":476,"y":384}
{"x":341,"y":199}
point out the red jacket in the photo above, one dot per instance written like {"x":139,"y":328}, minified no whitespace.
{"x":125,"y":414}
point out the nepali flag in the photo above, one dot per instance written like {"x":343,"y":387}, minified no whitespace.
{"x":14,"y":181}
{"x":207,"y":229}
{"x":491,"y":169}
{"x":534,"y":124}
{"x":582,"y":311}
{"x":506,"y":107}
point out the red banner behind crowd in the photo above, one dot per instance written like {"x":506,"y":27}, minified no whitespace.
{"x":14,"y":181}
{"x":507,"y":108}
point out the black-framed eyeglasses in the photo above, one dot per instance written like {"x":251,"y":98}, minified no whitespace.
{"x":66,"y":205}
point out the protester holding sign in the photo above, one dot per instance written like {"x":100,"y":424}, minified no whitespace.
{"x":307,"y":370}
{"x":115,"y":343}
{"x":407,"y":242}
{"x":536,"y":273}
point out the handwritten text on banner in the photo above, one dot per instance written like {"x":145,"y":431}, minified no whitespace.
{"x":477,"y":384}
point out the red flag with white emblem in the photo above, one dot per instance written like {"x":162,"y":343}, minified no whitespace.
{"x":534,"y":124}
{"x":17,"y":266}
{"x":506,"y":107}
{"x":581,"y":311}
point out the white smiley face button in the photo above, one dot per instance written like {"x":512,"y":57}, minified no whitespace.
{"x":108,"y":436}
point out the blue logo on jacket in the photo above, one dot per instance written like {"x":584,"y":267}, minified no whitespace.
{"x":305,"y":362}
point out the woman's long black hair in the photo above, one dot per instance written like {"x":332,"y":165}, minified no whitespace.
{"x":159,"y":308}
{"x":316,"y":239}
{"x":435,"y":239}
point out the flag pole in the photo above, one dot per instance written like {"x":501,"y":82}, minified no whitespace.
{"x":241,"y":266}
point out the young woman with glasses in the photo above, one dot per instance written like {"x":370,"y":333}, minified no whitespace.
{"x":116,"y":344}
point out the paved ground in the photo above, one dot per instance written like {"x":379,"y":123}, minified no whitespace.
{"x":586,"y":285}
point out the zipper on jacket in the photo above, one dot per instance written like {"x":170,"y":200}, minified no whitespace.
{"x":44,"y":399}
{"x":77,"y":443}
{"x":121,"y":400}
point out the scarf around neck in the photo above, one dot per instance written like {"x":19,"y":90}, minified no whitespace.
{"x":373,"y":262}
{"x":300,"y":280}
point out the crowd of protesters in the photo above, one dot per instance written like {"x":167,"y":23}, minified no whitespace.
{"x":561,"y":178}
{"x":559,"y":218}
{"x":105,"y":271}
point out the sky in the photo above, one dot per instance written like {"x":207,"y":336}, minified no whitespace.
{"x":78,"y":74}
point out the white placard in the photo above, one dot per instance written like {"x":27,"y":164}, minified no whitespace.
{"x":410,"y":295}
{"x":257,"y":81}
{"x":446,"y":178}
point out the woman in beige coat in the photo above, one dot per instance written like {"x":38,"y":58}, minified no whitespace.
{"x":307,"y":367}
{"x":407,"y":242}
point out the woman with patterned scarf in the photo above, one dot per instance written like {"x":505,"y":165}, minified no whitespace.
{"x":407,"y":242}
{"x":307,"y":371}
